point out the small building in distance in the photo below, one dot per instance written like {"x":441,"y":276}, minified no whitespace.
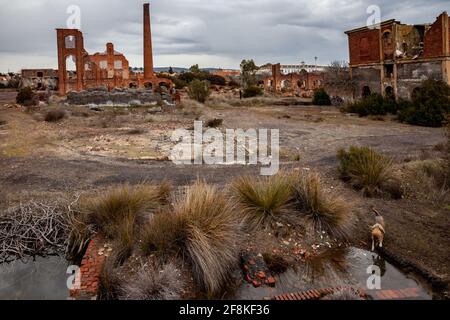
{"x":39,"y":79}
{"x":394,"y":58}
{"x":302,"y":83}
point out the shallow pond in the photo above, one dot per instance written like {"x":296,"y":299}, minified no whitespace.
{"x":46,"y":278}
{"x":341,"y":267}
{"x":39,"y":279}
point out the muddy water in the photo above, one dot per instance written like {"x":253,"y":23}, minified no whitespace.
{"x":336,"y":268}
{"x":41,"y":279}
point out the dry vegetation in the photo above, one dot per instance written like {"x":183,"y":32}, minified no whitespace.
{"x":200,"y":232}
{"x":263,"y":199}
{"x":367,"y":170}
{"x":203,"y":229}
{"x":326,"y":211}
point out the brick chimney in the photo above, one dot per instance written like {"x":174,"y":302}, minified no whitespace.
{"x":148,"y":51}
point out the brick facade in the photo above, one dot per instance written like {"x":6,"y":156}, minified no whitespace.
{"x":303,"y":83}
{"x":109,"y":69}
{"x":364,"y":47}
{"x":395,"y":58}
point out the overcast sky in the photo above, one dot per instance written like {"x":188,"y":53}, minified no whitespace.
{"x":212,"y":33}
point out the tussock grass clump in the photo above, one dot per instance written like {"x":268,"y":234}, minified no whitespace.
{"x":204,"y":230}
{"x":427,"y":180}
{"x":326,"y":211}
{"x":117,"y":212}
{"x":365,"y":169}
{"x":154,"y":282}
{"x":109,"y":281}
{"x":263,"y":199}
{"x":55,"y":115}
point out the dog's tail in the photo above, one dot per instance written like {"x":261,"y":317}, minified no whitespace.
{"x":376,"y":212}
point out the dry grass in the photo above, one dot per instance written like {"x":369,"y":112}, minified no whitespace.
{"x":117,"y":212}
{"x":204,"y":230}
{"x":263,"y":200}
{"x":55,"y":115}
{"x":326,"y":211}
{"x":365,"y":169}
{"x":427,"y":180}
{"x":154,"y":282}
{"x":109,"y":282}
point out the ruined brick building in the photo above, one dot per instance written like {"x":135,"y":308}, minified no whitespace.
{"x":303,"y":83}
{"x":39,"y":79}
{"x":396,"y":58}
{"x":108,"y":69}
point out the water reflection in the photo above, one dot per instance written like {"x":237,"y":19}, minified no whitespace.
{"x":340,"y":267}
{"x":41,"y":279}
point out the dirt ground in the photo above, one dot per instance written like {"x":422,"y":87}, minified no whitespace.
{"x":91,"y":150}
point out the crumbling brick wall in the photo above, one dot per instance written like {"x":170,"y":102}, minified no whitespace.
{"x":364,"y":47}
{"x":367,"y":77}
{"x":433,"y":44}
{"x":411,"y":75}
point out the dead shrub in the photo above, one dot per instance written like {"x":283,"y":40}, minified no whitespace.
{"x":55,"y":115}
{"x":327,"y":212}
{"x":263,"y":200}
{"x":214,"y":123}
{"x":365,"y":169}
{"x":204,"y":230}
{"x":154,"y":282}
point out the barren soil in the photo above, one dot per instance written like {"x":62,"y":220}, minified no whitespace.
{"x":93,"y":150}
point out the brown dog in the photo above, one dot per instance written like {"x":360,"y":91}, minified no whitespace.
{"x":378,"y":230}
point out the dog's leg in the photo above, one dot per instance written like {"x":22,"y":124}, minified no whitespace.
{"x":373,"y":244}
{"x":381,"y":243}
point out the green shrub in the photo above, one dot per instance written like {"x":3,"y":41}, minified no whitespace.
{"x":25,"y":95}
{"x":375,"y":104}
{"x":429,"y":107}
{"x":199,"y":90}
{"x":321,"y":98}
{"x":365,"y":169}
{"x":252,"y":91}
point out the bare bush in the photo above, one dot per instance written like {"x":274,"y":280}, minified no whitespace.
{"x":154,"y":282}
{"x":34,"y":228}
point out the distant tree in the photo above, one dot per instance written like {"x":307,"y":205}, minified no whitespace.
{"x":248,"y":71}
{"x":195,"y":69}
{"x":338,"y":77}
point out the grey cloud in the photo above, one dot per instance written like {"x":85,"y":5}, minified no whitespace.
{"x":267,"y":30}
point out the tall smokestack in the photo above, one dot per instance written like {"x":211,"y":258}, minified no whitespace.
{"x":148,"y":51}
